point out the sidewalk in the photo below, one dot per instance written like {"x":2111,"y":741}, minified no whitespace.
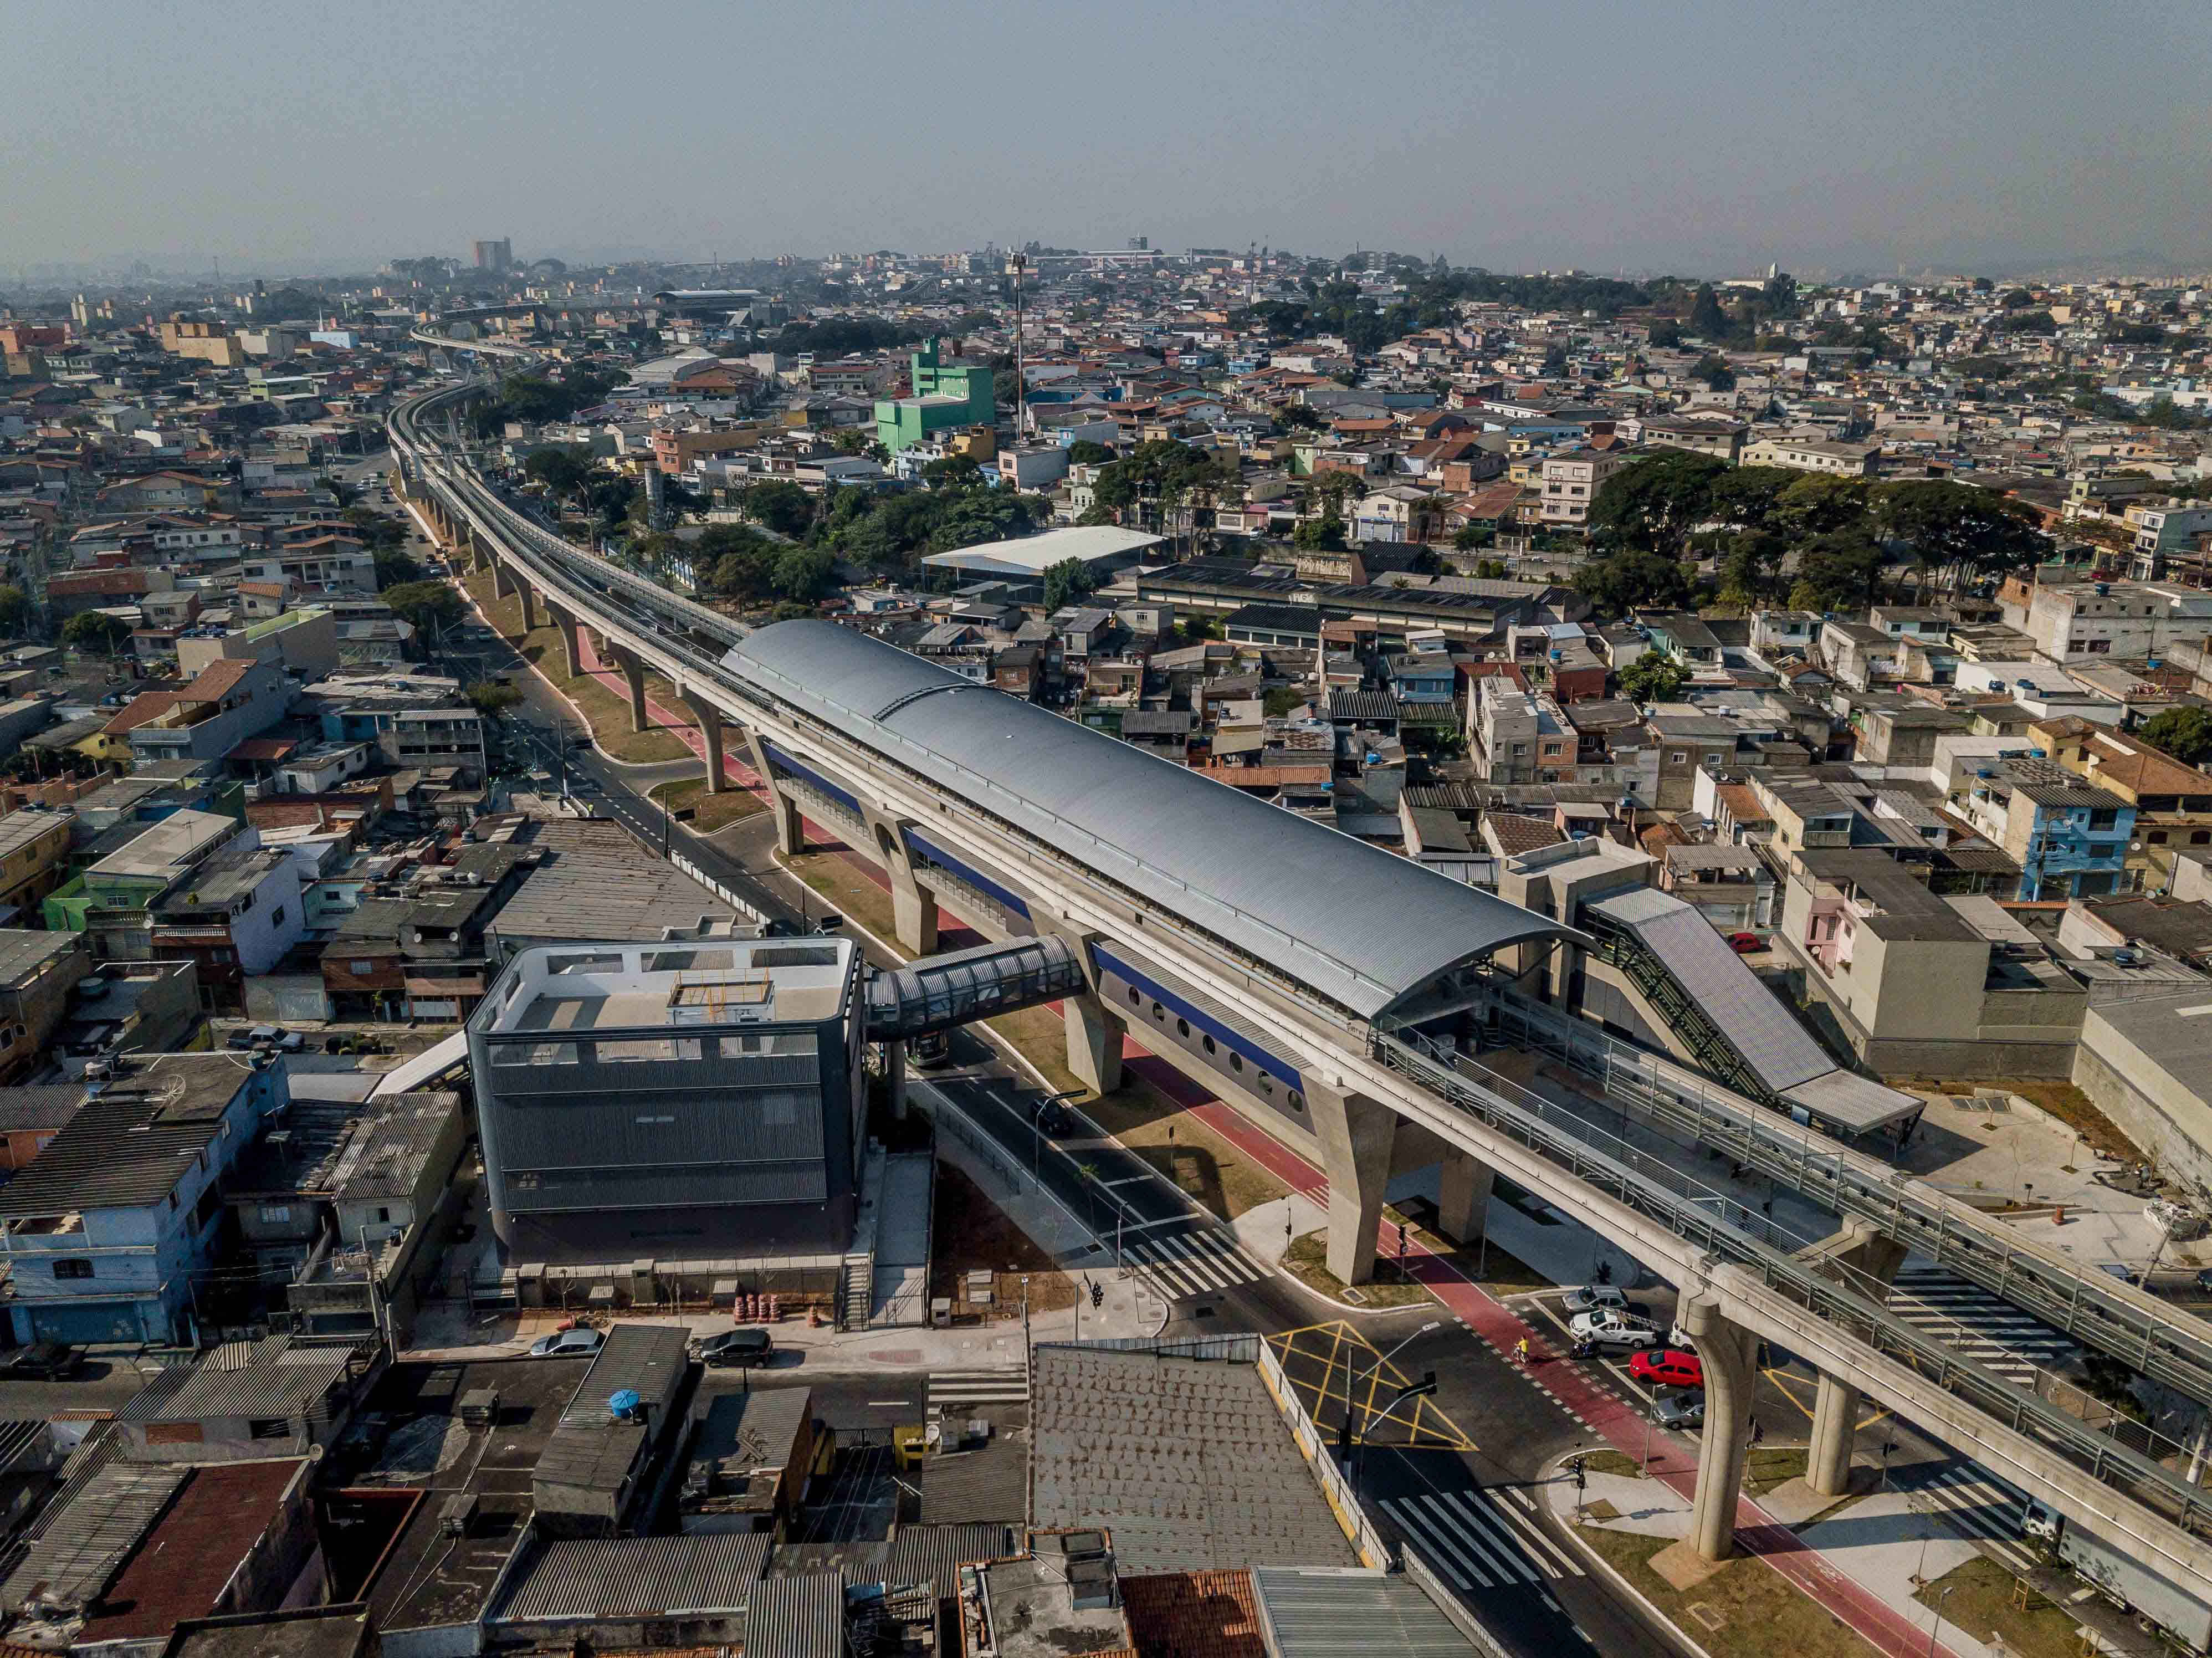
{"x":1887,"y":1539}
{"x":1603,"y":1413}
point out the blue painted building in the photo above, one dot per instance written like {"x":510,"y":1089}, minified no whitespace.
{"x":112,"y":1231}
{"x":2069,"y":836}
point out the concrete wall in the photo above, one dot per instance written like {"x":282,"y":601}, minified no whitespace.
{"x":2170,"y":1122}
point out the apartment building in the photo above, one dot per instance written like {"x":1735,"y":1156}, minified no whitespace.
{"x":1814,"y":455}
{"x":37,"y":970}
{"x":2069,"y":837}
{"x":1571,"y":481}
{"x":1518,"y":736}
{"x":2081,"y":621}
{"x":35,"y":847}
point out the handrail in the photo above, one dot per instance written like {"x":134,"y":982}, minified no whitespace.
{"x":1714,"y":1223}
{"x":2165,"y":1344}
{"x":1722,"y":1226}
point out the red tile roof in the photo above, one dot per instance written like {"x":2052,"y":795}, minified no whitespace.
{"x":187,"y":1562}
{"x":1193,"y":1614}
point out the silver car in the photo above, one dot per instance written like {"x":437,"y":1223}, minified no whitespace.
{"x":568,"y":1343}
{"x":1678,"y":1409}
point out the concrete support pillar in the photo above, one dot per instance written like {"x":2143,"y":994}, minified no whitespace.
{"x":1835,"y":1431}
{"x":894,"y":1068}
{"x":480,"y":558}
{"x":709,"y":718}
{"x":1726,"y":1350}
{"x":633,"y":672}
{"x":529,"y":608}
{"x":914,"y":905}
{"x":1463,"y":1197}
{"x":565,"y":625}
{"x":503,"y":580}
{"x":790,"y":827}
{"x":1356,"y":1135}
{"x":1094,"y":1042}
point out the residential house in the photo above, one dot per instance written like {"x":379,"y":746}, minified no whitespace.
{"x":110,"y":1228}
{"x":226,"y":702}
{"x":2069,"y":837}
{"x":241,"y":913}
{"x":38,"y":971}
{"x":1571,"y":483}
{"x":35,"y":848}
{"x":2173,"y":802}
{"x":1813,"y":455}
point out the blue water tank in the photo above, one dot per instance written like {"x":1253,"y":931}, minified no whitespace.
{"x":624,"y":1401}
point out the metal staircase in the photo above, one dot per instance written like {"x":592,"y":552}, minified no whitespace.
{"x":1709,"y":1046}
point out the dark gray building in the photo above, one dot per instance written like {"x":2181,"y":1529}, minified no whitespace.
{"x":672,"y":1100}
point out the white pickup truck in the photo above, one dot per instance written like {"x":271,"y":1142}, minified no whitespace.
{"x":1608,"y":1327}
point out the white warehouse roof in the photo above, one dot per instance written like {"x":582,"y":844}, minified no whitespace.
{"x":1034,"y":555}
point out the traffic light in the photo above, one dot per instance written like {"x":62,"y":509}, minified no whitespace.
{"x":1097,"y":1295}
{"x":1581,"y":1477}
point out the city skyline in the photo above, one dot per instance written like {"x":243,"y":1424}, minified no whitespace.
{"x":1695,"y":143}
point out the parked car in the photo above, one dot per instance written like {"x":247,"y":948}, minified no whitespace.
{"x":1608,"y":1327}
{"x":745,"y":1346}
{"x":568,"y":1343}
{"x":1668,"y":1367}
{"x":1745,"y":944}
{"x":268,"y":1035}
{"x":1591,"y":1297}
{"x":47,"y":1361}
{"x":1679,"y":1410}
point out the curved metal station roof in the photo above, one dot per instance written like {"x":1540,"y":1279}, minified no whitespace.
{"x":1360,"y":926}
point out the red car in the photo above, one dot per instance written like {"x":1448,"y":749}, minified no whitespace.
{"x":1745,"y":944}
{"x":1667,"y":1367}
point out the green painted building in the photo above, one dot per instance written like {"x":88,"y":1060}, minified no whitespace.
{"x":944,"y":399}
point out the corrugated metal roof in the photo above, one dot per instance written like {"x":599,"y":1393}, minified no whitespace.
{"x":1355,"y":924}
{"x":591,"y":1449}
{"x":636,"y":1577}
{"x":934,"y":1554}
{"x":1853,"y":1102}
{"x":271,"y":1378}
{"x":85,"y":1544}
{"x":797,"y":1618}
{"x":1338,"y":1615}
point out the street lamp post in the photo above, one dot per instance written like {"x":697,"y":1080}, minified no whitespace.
{"x":1937,"y":1628}
{"x":1421,"y":1389}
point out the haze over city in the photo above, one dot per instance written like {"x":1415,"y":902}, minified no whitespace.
{"x":1704,"y":138}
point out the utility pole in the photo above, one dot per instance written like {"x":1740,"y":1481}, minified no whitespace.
{"x":1021,"y":391}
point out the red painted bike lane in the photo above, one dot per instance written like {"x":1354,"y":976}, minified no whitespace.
{"x":1601,"y":1411}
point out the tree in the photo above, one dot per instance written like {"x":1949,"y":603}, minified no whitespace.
{"x":1654,"y":503}
{"x":560,"y":473}
{"x":1470,"y":538}
{"x":1745,"y":564}
{"x":1746,"y":496}
{"x":780,"y":504}
{"x":2028,"y":322}
{"x":1840,"y":570}
{"x":1665,"y":334}
{"x":490,"y":698}
{"x":16,"y":611}
{"x":1084,"y":453}
{"x":1707,"y":319}
{"x":1633,"y":578}
{"x":1952,"y":528}
{"x":804,"y":574}
{"x":1653,"y":677}
{"x":1713,"y":369}
{"x":95,"y":630}
{"x":1066,"y":582}
{"x":1321,"y":534}
{"x":2183,"y":732}
{"x":428,"y":607}
{"x":1813,"y":505}
{"x":395,"y":566}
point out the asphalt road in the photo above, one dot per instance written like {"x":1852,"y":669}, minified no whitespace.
{"x":1512,"y":1567}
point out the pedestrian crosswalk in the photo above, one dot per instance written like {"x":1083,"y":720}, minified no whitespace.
{"x":1979,"y":1325}
{"x":1481,"y":1539}
{"x":1976,"y":1504}
{"x":960,"y":1390}
{"x":1194,"y":1263}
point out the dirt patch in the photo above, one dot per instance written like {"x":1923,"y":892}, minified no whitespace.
{"x":973,"y":1234}
{"x":1744,"y":1609}
{"x":2064,"y":1101}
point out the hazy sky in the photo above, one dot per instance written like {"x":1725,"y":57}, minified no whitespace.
{"x":1698,"y":136}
